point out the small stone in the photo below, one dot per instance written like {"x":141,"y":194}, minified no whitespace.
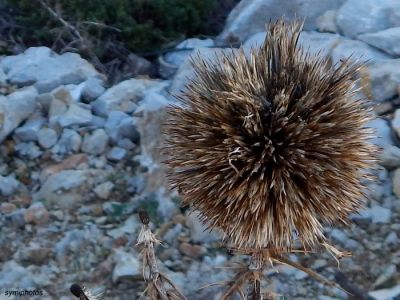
{"x":7,"y":208}
{"x":15,"y":108}
{"x":127,"y":267}
{"x":36,"y":214}
{"x":380,"y":214}
{"x":93,"y":88}
{"x":104,"y":190}
{"x":116,"y":153}
{"x":338,"y":235}
{"x":75,"y":115}
{"x":193,"y":251}
{"x":396,"y":182}
{"x":70,"y":141}
{"x":95,"y":143}
{"x":390,"y":157}
{"x":300,"y":275}
{"x":392,"y":239}
{"x":386,"y":276}
{"x":29,"y":150}
{"x":47,"y":137}
{"x":36,"y":255}
{"x":9,"y":185}
{"x":396,"y":122}
{"x":28,"y":132}
{"x":198,"y":232}
{"x":385,"y":294}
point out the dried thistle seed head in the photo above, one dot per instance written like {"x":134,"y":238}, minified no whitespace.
{"x":270,"y":146}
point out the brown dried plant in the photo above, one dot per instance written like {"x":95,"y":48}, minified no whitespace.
{"x":159,"y":286}
{"x":270,"y":147}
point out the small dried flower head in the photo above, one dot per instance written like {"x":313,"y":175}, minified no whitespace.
{"x":83,"y":293}
{"x":270,"y":146}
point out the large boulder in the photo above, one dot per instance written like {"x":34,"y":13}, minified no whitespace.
{"x":387,"y":40}
{"x":46,"y":70}
{"x":357,"y":17}
{"x":250,"y":16}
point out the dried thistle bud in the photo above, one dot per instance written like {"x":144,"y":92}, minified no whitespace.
{"x":144,"y":217}
{"x":78,"y":292}
{"x":270,"y":146}
{"x":83,"y":293}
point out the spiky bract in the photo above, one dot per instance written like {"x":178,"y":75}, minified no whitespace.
{"x":271,"y":145}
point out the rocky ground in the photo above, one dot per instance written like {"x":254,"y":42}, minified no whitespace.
{"x":79,"y":158}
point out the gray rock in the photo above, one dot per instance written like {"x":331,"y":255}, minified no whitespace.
{"x":392,"y":239}
{"x":46,"y":69}
{"x":119,"y":125}
{"x":96,"y":142}
{"x":71,"y":241}
{"x":9,"y":185}
{"x":355,"y":17}
{"x":139,"y":65}
{"x":171,"y":235}
{"x":250,"y":16}
{"x":29,"y":130}
{"x":198,"y":232}
{"x":390,"y":157}
{"x":29,"y":150}
{"x":62,"y":181}
{"x":93,"y":88}
{"x":104,"y":190}
{"x":384,"y":78}
{"x":15,"y":275}
{"x":255,"y":41}
{"x":186,"y":72}
{"x":387,"y":40}
{"x":130,"y":227}
{"x":121,"y":96}
{"x":383,"y":133}
{"x":177,"y":58}
{"x":380,"y":214}
{"x":386,"y":294}
{"x":47,"y":137}
{"x":116,"y":153}
{"x":313,"y":42}
{"x":3,"y":76}
{"x":358,"y":50}
{"x":15,"y":108}
{"x":396,"y":182}
{"x":338,"y":235}
{"x":127,"y":144}
{"x":327,"y":22}
{"x":75,"y":115}
{"x":57,"y":109}
{"x":70,"y":141}
{"x":127,"y":129}
{"x":396,"y":122}
{"x":127,"y":266}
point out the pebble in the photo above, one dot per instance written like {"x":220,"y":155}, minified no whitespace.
{"x":193,"y":251}
{"x":96,"y":142}
{"x":75,"y":115}
{"x":7,"y":208}
{"x":104,"y":190}
{"x":116,"y":153}
{"x":36,"y":214}
{"x":47,"y":137}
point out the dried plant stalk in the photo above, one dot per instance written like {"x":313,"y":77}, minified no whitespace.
{"x":159,"y":286}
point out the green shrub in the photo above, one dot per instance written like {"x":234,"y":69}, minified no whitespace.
{"x":143,"y":25}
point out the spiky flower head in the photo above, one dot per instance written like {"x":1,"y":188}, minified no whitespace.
{"x":272,"y":145}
